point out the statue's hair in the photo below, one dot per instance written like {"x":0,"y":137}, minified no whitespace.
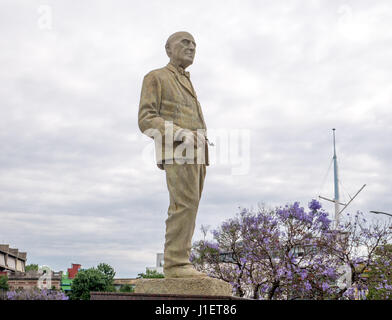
{"x":174,"y":36}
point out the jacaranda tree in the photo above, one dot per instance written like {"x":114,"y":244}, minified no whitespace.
{"x":291,"y":253}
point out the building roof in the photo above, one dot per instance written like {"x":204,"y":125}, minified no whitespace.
{"x":5,"y":249}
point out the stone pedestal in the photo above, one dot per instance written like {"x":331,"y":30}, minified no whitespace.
{"x":184,"y":286}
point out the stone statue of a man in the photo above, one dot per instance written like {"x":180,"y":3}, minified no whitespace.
{"x":170,"y":113}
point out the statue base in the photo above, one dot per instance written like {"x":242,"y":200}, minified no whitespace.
{"x":184,"y":286}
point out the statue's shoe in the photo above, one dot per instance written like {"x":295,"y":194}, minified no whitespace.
{"x":184,"y":272}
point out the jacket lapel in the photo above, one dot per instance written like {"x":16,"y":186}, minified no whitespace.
{"x":183,"y":83}
{"x":186,"y":85}
{"x":189,"y":88}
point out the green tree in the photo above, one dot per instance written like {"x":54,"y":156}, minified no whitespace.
{"x":92,"y":279}
{"x":4,"y":283}
{"x":150,"y":274}
{"x":109,"y":273}
{"x":379,"y":275}
{"x":31,"y":267}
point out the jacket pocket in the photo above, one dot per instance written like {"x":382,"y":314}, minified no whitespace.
{"x":168,"y":110}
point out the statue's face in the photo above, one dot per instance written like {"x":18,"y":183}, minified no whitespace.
{"x":181,"y":50}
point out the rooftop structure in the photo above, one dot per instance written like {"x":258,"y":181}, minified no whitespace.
{"x":67,"y":278}
{"x":11,"y":259}
{"x":158,"y":264}
{"x":74,"y":270}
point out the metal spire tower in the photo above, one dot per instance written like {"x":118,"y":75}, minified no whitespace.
{"x":336,"y":181}
{"x":336,"y":199}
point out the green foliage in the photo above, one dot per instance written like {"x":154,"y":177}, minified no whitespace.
{"x":31,"y":267}
{"x":4,"y":283}
{"x":379,"y":275}
{"x":92,"y":279}
{"x":127,"y":288}
{"x":150,"y":274}
{"x":109,"y":273}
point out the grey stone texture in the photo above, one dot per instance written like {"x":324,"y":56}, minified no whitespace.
{"x":184,"y":286}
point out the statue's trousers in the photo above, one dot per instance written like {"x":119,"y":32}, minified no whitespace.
{"x":185,"y":183}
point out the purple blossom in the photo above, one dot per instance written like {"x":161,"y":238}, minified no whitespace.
{"x":325,"y":286}
{"x":303,"y":274}
{"x":36,"y":294}
{"x":330,"y":272}
{"x":314,"y":205}
{"x":263,"y":243}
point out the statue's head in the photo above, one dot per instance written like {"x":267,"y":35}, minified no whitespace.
{"x":181,"y":48}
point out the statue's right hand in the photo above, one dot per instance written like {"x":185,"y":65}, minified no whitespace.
{"x":192,"y":139}
{"x":188,"y":138}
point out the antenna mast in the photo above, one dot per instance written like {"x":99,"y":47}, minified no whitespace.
{"x":336,"y":181}
{"x":336,"y":186}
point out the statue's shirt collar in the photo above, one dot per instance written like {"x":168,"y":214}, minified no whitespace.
{"x":178,"y":69}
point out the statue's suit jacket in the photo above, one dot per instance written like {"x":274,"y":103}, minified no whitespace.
{"x":168,"y":96}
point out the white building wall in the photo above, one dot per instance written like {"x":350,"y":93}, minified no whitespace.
{"x":11,"y":262}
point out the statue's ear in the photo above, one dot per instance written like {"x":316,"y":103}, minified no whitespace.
{"x":168,"y":51}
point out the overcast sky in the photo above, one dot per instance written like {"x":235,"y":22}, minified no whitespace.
{"x":78,"y":181}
